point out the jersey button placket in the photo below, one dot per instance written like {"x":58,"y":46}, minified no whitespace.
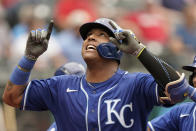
{"x":92,"y":110}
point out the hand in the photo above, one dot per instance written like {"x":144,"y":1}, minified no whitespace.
{"x":177,"y":90}
{"x":126,"y":41}
{"x":37,"y":42}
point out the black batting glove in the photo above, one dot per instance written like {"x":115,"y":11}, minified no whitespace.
{"x":37,"y":42}
{"x":126,"y":41}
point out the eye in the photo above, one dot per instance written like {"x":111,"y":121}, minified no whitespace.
{"x":88,"y":34}
{"x":103,"y":34}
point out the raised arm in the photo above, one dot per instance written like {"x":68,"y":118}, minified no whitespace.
{"x":162,"y":72}
{"x":36,"y":45}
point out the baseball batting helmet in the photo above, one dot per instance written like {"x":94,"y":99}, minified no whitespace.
{"x":70,"y":69}
{"x":191,"y":68}
{"x":106,"y":50}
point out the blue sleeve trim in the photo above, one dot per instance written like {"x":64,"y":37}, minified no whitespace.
{"x":151,"y":126}
{"x":25,"y":97}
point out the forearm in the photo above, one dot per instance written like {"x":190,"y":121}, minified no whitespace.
{"x":15,"y":87}
{"x":126,"y":41}
{"x":37,"y":44}
{"x":163,"y":73}
{"x":13,"y":94}
{"x":160,"y":70}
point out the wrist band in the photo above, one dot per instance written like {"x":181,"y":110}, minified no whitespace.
{"x":26,"y":63}
{"x":30,"y":57}
{"x":21,"y":73}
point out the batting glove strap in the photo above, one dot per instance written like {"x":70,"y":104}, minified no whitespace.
{"x":138,"y":52}
{"x":31,"y":57}
{"x":176,"y":91}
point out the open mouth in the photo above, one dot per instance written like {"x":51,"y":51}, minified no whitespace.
{"x":91,"y":47}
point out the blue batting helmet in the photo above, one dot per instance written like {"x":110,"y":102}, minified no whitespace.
{"x":71,"y":68}
{"x":191,"y":67}
{"x":106,"y":50}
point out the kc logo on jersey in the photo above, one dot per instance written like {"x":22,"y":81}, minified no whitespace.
{"x":111,"y":104}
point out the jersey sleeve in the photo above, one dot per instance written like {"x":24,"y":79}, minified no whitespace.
{"x":147,"y":88}
{"x":168,"y":121}
{"x":41,"y":94}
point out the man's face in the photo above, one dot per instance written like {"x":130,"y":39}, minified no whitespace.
{"x":94,"y":38}
{"x":194,"y":78}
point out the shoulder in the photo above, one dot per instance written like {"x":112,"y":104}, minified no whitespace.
{"x":67,"y":78}
{"x":57,"y":80}
{"x":138,"y":78}
{"x":185,"y":106}
{"x":138,"y":75}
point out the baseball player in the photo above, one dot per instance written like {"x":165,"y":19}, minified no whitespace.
{"x":181,"y":117}
{"x":71,"y":68}
{"x":106,"y":97}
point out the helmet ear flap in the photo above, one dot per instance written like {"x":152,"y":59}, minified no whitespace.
{"x":109,"y":51}
{"x":191,"y":79}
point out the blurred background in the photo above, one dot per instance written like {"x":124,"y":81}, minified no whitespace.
{"x":166,"y":27}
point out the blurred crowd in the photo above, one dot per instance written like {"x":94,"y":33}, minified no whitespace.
{"x":166,"y":27}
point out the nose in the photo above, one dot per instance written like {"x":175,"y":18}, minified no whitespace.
{"x":91,"y":37}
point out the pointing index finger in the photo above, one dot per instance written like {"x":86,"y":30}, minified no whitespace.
{"x":113,"y":25}
{"x":117,"y":30}
{"x":50,"y":27}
